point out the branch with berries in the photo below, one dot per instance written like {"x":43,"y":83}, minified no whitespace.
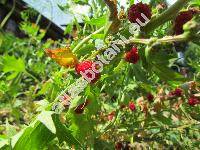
{"x":191,"y":33}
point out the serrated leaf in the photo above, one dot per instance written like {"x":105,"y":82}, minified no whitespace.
{"x":11,"y":64}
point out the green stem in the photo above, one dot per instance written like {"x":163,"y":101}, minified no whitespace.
{"x":38,"y":19}
{"x":86,"y":39}
{"x":97,"y":52}
{"x":167,"y":15}
{"x":178,"y":38}
{"x":8,"y":15}
{"x":28,"y":73}
{"x":138,"y":41}
{"x":167,"y":39}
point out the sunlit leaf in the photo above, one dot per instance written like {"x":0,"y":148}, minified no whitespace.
{"x":63,"y":56}
{"x":46,"y":119}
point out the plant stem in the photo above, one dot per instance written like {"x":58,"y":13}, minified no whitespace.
{"x":38,"y":19}
{"x":167,"y":39}
{"x":178,"y":38}
{"x":86,"y":39}
{"x":31,"y":75}
{"x":8,"y":15}
{"x":165,"y":16}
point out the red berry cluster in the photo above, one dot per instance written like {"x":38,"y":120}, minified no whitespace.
{"x":178,"y":92}
{"x":80,"y":108}
{"x":193,"y":101}
{"x":132,"y":56}
{"x":87,"y":65}
{"x":136,"y":10}
{"x":150,"y":97}
{"x":181,"y":19}
{"x":122,"y":145}
{"x":132,"y":106}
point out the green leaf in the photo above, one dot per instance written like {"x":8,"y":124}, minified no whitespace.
{"x":101,"y":21}
{"x":45,"y":88}
{"x":69,"y":29}
{"x":3,"y":143}
{"x":167,"y":74}
{"x":162,"y":120}
{"x":10,"y":130}
{"x":46,"y":119}
{"x":98,"y":36}
{"x":131,"y":2}
{"x":81,"y":2}
{"x":34,"y":137}
{"x":76,"y":101}
{"x":11,"y":64}
{"x":63,"y":133}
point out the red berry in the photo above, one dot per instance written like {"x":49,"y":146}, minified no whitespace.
{"x":132,"y":56}
{"x":177,"y":92}
{"x":132,"y":106}
{"x":87,"y":65}
{"x":111,"y":116}
{"x":136,"y":10}
{"x":150,"y":97}
{"x":80,"y":108}
{"x":193,"y":101}
{"x":181,"y":19}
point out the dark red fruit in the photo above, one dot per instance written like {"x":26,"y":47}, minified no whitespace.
{"x":150,"y":97}
{"x":193,"y":101}
{"x":122,"y":106}
{"x":136,"y":10}
{"x":80,"y":108}
{"x":132,"y":106}
{"x":178,"y":92}
{"x":132,"y":56}
{"x":87,"y":65}
{"x":181,"y":19}
{"x":118,"y":146}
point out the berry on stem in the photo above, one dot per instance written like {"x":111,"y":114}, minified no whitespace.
{"x":193,"y":101}
{"x":178,"y":92}
{"x":118,"y":146}
{"x":181,"y":19}
{"x":136,"y":10}
{"x":132,"y":56}
{"x":87,"y":65}
{"x":150,"y":97}
{"x":132,"y":106}
{"x":80,"y":108}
